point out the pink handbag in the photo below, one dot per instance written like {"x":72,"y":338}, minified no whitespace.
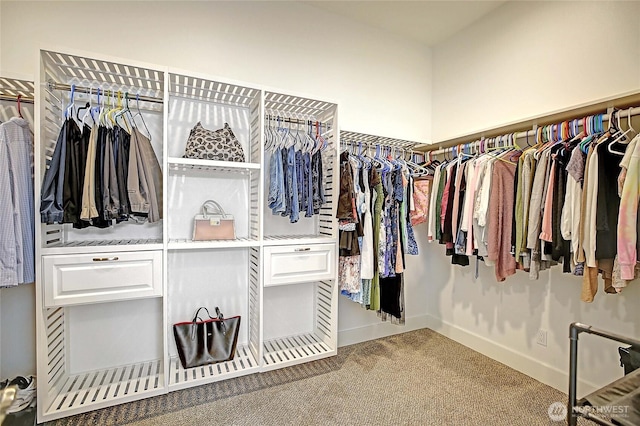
{"x":213,"y":224}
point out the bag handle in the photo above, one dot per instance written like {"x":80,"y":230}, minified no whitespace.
{"x":196,"y":317}
{"x":212,"y":207}
{"x":219,"y":316}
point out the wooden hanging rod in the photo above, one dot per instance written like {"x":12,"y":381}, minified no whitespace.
{"x":520,"y":136}
{"x":79,"y":89}
{"x":597,"y":107}
{"x":13,"y":98}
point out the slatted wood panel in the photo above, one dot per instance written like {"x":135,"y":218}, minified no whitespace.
{"x":184,"y":164}
{"x":254,"y":206}
{"x":254,"y":129}
{"x":185,"y":244}
{"x":213,"y":91}
{"x":101,"y":388}
{"x":295,"y":239}
{"x":55,"y":329}
{"x":243,"y":363}
{"x":292,"y":105}
{"x":87,"y":246}
{"x":14,"y":87}
{"x":108,"y":75}
{"x":294,"y":350}
{"x":254,"y":302}
{"x":325,"y":315}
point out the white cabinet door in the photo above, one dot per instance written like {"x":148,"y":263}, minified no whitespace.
{"x":298,"y":264}
{"x":100,"y":277}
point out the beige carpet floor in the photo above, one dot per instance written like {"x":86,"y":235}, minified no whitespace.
{"x":414,"y":378}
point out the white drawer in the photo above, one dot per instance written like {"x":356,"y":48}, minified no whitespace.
{"x":300,"y":263}
{"x":100,"y":277}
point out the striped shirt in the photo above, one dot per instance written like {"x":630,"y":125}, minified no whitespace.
{"x":17,"y":256}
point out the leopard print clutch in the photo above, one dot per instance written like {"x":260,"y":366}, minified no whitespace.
{"x":220,"y":145}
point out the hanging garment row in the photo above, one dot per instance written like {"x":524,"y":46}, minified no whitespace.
{"x":375,"y":228}
{"x":17,"y":251}
{"x":296,"y":174}
{"x":102,"y":172}
{"x":571,"y":198}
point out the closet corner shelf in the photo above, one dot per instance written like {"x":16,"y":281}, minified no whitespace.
{"x":102,"y":388}
{"x":242,"y":364}
{"x":286,"y":351}
{"x":91,"y":246}
{"x":283,"y":240}
{"x":182,"y":164}
{"x":184,"y":244}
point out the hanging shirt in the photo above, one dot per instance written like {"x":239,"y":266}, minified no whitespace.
{"x":431,"y":231}
{"x":500,"y":227}
{"x":51,"y":199}
{"x":17,"y":251}
{"x":570,"y":225}
{"x":89,"y":210}
{"x":628,"y":215}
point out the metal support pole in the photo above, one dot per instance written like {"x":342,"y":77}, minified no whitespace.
{"x":572,"y":420}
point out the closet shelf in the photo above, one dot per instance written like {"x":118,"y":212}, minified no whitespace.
{"x":90,"y":246}
{"x":104,"y":388}
{"x":243,"y":363}
{"x":293,"y":350}
{"x":184,"y":244}
{"x":183,"y":164}
{"x":283,"y":240}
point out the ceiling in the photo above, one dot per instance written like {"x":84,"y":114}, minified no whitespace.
{"x":427,"y":22}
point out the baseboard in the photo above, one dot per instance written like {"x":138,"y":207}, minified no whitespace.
{"x":525,"y":364}
{"x":380,"y":329}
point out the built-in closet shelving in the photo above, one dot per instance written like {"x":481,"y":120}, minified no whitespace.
{"x":107,"y":298}
{"x":99,"y":292}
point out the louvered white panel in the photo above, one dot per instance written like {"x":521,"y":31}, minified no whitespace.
{"x":243,"y":363}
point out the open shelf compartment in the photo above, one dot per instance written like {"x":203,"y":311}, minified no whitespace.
{"x":63,"y":391}
{"x":240,"y":296}
{"x":323,"y":224}
{"x":59,"y":71}
{"x":320,"y":341}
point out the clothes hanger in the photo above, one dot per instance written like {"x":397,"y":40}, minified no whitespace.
{"x":19,"y":109}
{"x":68,"y":112}
{"x":86,"y":107}
{"x":139,"y":114}
{"x":621,"y":137}
{"x":103,"y":109}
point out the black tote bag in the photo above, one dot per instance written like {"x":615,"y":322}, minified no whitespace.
{"x":206,"y":342}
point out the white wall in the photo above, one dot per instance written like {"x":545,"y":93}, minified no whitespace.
{"x":528,"y":58}
{"x":525,"y":59}
{"x":381,"y":82}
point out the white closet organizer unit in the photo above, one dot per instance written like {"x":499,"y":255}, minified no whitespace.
{"x":99,"y":292}
{"x":300,"y":260}
{"x":107,"y":298}
{"x":222,"y":273}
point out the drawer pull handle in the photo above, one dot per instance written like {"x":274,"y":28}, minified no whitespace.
{"x":104,"y":259}
{"x":303,"y":249}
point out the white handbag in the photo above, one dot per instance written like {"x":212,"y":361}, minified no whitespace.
{"x":213,"y":223}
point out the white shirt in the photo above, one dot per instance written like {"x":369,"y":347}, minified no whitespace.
{"x":17,"y":256}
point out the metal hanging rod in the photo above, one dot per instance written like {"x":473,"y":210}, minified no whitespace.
{"x":373,"y":140}
{"x":519,"y":136}
{"x":373,"y":144}
{"x":13,"y":98}
{"x":291,"y":120}
{"x":79,"y":89}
